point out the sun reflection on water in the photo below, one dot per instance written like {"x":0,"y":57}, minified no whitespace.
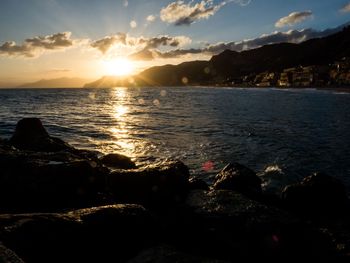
{"x":120,"y":131}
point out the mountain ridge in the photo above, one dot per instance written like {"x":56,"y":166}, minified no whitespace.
{"x":232,"y":64}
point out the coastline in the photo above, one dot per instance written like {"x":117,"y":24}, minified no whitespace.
{"x":157,"y":211}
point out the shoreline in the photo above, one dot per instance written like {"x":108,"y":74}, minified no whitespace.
{"x":59,"y":200}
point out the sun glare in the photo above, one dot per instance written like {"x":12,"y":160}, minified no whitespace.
{"x":118,"y":67}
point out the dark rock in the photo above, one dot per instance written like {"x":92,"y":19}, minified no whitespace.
{"x":168,"y":254}
{"x":274,"y":180}
{"x":8,"y":256}
{"x":317,"y":195}
{"x":238,"y":178}
{"x":101,"y":234}
{"x":30,"y":134}
{"x":197,"y":184}
{"x":32,"y":182}
{"x":118,"y":161}
{"x":229,"y":224}
{"x":163,"y":184}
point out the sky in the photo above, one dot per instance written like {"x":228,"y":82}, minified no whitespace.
{"x":90,"y":38}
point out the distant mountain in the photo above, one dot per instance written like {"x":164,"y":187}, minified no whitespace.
{"x":108,"y":81}
{"x":7,"y":84}
{"x":56,"y":83}
{"x":231,"y":64}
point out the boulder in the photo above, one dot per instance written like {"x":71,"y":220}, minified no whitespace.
{"x":196,"y":183}
{"x":238,"y":178}
{"x":30,"y":134}
{"x":228,"y":224}
{"x":38,"y":182}
{"x":163,"y":184}
{"x":100,"y":234}
{"x":8,"y":256}
{"x":115,"y":160}
{"x":274,"y":180}
{"x":317,"y":195}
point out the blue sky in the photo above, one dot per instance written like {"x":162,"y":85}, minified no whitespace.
{"x":92,"y":20}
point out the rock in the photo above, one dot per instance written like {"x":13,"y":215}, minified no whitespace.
{"x":8,"y":256}
{"x":101,"y":234}
{"x":317,"y":195}
{"x":38,"y":182}
{"x":163,"y":184}
{"x":168,"y":254}
{"x":197,"y":184}
{"x":30,"y":134}
{"x":238,"y":178}
{"x":274,"y":180}
{"x":118,"y":161}
{"x":228,"y":224}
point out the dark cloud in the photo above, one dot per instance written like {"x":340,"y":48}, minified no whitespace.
{"x":107,"y":42}
{"x":293,"y":18}
{"x":34,"y":46}
{"x":292,"y":36}
{"x":144,"y":54}
{"x":165,"y":41}
{"x":145,"y":45}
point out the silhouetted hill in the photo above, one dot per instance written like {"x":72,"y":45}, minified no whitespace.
{"x":107,"y":82}
{"x":170,"y":75}
{"x":276,"y":57}
{"x":231,"y":64}
{"x":56,"y":83}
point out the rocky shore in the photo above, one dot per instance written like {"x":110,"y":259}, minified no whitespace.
{"x":61,"y":204}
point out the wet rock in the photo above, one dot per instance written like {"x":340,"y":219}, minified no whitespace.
{"x":100,"y":234}
{"x":317,"y":195}
{"x":30,"y":134}
{"x":8,"y":256}
{"x":168,"y":254}
{"x":162,"y":184}
{"x":274,"y":180}
{"x":197,"y":184}
{"x":238,"y":178}
{"x":229,"y":224}
{"x":115,"y":160}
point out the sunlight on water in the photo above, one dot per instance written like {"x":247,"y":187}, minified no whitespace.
{"x":120,"y":111}
{"x":282,"y":135}
{"x":119,"y":131}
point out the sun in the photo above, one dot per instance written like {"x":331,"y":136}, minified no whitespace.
{"x":118,"y":67}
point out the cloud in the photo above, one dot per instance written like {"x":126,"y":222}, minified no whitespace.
{"x":143,"y":46}
{"x":180,"y":13}
{"x":58,"y":70}
{"x":108,"y":42}
{"x":133,"y":24}
{"x":151,"y":18}
{"x":293,"y":18}
{"x":291,"y":36}
{"x":346,"y":8}
{"x":126,"y":3}
{"x":144,"y":54}
{"x":32,"y":47}
{"x":165,"y":41}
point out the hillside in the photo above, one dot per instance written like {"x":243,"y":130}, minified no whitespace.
{"x":277,"y":57}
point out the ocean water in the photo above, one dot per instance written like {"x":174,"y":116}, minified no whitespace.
{"x":299,"y":131}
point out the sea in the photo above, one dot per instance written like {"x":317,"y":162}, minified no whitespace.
{"x":293,"y":131}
